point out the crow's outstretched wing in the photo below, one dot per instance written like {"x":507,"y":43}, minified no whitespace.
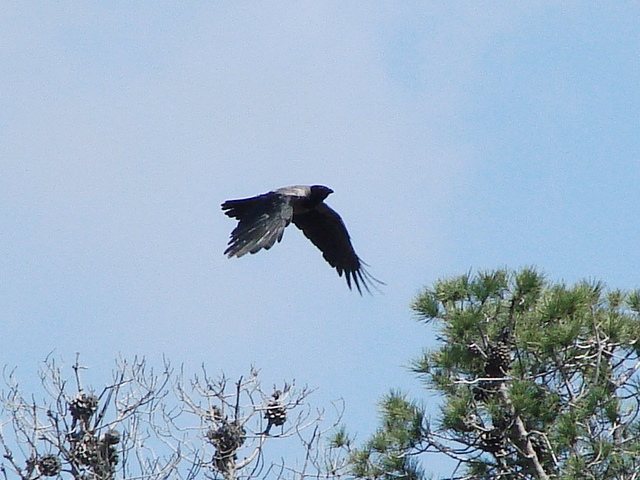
{"x":262,"y":221}
{"x":324,"y":227}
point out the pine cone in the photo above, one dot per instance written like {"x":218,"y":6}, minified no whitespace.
{"x":470,"y":423}
{"x":276,"y":413}
{"x":49,"y":465}
{"x":83,"y":406}
{"x":227,"y":439}
{"x":108,"y":455}
{"x":498,"y":361}
{"x":85,"y":449}
{"x":484,"y":390}
{"x":111,"y":437}
{"x":492,"y":441}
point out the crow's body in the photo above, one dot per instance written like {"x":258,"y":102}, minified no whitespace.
{"x":262,"y":220}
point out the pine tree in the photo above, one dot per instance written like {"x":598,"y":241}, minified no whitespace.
{"x":538,"y":380}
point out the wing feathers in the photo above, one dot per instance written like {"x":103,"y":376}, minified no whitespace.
{"x":262,"y":221}
{"x":326,"y":230}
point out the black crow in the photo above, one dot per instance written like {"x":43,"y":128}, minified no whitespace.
{"x":262,"y":220}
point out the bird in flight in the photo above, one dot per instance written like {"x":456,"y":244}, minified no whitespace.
{"x":263,"y":218}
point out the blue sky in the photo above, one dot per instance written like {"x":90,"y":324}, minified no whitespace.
{"x":455,"y":135}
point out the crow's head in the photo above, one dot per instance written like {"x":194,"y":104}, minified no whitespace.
{"x":320,"y":192}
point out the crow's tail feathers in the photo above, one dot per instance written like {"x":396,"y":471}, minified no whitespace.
{"x":362,"y":279}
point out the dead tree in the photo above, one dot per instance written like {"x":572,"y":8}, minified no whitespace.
{"x":78,"y":432}
{"x":145,"y":426}
{"x":238,"y":419}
